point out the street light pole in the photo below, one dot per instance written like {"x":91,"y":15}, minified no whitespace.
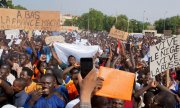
{"x":143,"y":18}
{"x":165,"y":20}
{"x":88,"y":22}
{"x":128,"y":26}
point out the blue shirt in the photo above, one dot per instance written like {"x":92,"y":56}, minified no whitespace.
{"x":20,"y":98}
{"x":63,"y":91}
{"x":53,"y":102}
{"x":45,"y":49}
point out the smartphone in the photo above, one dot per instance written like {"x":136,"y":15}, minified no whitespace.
{"x":86,"y":66}
{"x":128,"y":47}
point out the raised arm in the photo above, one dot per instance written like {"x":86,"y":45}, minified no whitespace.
{"x":7,"y":88}
{"x":55,"y":55}
{"x":108,"y":64}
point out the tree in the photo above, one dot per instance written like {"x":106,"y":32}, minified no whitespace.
{"x":68,"y":22}
{"x":109,"y":21}
{"x":8,"y":4}
{"x":170,"y":24}
{"x":122,"y":22}
{"x":94,"y":20}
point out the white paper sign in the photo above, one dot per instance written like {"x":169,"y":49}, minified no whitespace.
{"x":18,"y":41}
{"x":64,"y":50}
{"x":11,"y":34}
{"x":1,"y":51}
{"x":165,"y":55}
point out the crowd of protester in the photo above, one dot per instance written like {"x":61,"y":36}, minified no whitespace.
{"x":32,"y":75}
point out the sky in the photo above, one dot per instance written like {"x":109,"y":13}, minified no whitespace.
{"x":151,"y":10}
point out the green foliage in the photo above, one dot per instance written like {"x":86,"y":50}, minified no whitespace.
{"x":122,"y":22}
{"x":170,"y":24}
{"x":94,"y":20}
{"x":9,"y":4}
{"x":109,"y":21}
{"x":98,"y":21}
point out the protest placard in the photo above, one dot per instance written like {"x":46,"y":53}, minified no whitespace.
{"x":30,"y":20}
{"x":11,"y":34}
{"x":118,"y":34}
{"x":1,"y":51}
{"x":165,"y":55}
{"x":51,"y":39}
{"x":117,"y":83}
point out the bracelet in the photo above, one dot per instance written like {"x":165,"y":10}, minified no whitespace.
{"x":85,"y":105}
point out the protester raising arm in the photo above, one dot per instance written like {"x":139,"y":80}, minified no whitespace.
{"x":141,"y":91}
{"x":7,"y":88}
{"x":87,"y":86}
{"x":114,"y":62}
{"x":76,"y":65}
{"x":108,"y":64}
{"x":132,"y":58}
{"x":55,"y":55}
{"x":126,"y":58}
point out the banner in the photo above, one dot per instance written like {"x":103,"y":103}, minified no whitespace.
{"x":29,"y":20}
{"x":51,"y":39}
{"x":117,"y":83}
{"x":64,"y":50}
{"x":165,"y":55}
{"x":118,"y":34}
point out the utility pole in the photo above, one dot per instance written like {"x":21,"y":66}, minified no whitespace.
{"x":143,"y":18}
{"x":165,"y":20}
{"x":88,"y":21}
{"x":128,"y":26}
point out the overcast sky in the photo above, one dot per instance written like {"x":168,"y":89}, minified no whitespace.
{"x":134,"y":9}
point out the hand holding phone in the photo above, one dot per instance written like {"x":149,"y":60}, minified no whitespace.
{"x":86,"y":65}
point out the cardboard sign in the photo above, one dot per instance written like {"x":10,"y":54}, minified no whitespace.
{"x":30,"y":20}
{"x":51,"y":39}
{"x":165,"y":55}
{"x":117,"y":84}
{"x":11,"y":34}
{"x":118,"y":34}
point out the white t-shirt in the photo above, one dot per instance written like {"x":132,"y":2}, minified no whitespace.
{"x":11,"y":78}
{"x":72,"y":103}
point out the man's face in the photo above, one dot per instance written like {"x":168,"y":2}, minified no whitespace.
{"x":48,"y":84}
{"x":17,"y":86}
{"x":24,"y":75}
{"x":15,"y":60}
{"x":38,"y":45}
{"x":72,"y":60}
{"x":3,"y":73}
{"x":23,"y":59}
{"x":43,"y":67}
{"x":117,"y":103}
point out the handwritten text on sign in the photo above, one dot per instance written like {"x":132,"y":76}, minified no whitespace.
{"x":165,"y":55}
{"x":118,"y":34}
{"x":30,"y":20}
